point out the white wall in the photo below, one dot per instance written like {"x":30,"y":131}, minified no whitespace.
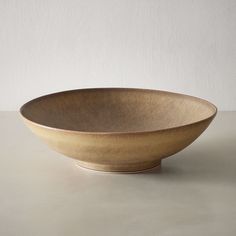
{"x":185,"y":46}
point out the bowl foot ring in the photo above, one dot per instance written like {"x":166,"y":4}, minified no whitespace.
{"x":131,"y":168}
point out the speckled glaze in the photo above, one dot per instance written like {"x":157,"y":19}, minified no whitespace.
{"x":118,"y":129}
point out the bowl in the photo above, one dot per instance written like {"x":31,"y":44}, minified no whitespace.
{"x":118,"y":129}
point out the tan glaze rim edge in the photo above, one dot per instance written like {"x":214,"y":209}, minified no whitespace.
{"x":120,"y":133}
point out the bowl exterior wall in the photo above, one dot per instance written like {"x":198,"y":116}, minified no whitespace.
{"x":120,"y":152}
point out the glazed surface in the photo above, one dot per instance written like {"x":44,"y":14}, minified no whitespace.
{"x":116,"y":110}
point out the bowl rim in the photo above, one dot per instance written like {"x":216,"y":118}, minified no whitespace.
{"x":214,"y":108}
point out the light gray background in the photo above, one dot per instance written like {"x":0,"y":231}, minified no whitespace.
{"x":180,"y":45}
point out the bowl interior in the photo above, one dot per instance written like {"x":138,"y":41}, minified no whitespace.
{"x":116,"y":110}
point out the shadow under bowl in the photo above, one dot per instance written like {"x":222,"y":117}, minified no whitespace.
{"x":118,"y":129}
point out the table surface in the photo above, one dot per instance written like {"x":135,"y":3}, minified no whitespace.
{"x":45,"y":193}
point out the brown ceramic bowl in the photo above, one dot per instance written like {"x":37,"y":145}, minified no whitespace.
{"x":118,"y":129}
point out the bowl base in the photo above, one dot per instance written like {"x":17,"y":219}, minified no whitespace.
{"x":131,"y":168}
